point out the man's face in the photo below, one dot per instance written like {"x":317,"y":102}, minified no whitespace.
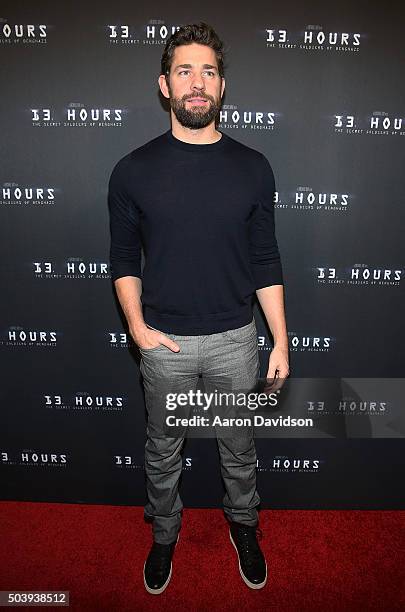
{"x":194,"y":86}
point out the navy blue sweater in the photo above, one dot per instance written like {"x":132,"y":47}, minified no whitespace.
{"x":203,"y":214}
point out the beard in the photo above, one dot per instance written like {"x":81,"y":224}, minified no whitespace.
{"x":197,"y":116}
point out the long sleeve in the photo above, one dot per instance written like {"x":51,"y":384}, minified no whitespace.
{"x":263,"y":248}
{"x":125,"y":246}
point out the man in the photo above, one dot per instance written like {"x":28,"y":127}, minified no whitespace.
{"x":200,"y":204}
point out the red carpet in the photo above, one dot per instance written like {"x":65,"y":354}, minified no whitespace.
{"x":317,"y":560}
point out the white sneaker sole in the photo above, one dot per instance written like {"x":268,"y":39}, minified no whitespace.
{"x":162,"y":588}
{"x":251,"y":585}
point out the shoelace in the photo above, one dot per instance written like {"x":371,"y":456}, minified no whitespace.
{"x":247,"y":543}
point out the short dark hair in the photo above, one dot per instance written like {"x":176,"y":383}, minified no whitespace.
{"x":201,"y":33}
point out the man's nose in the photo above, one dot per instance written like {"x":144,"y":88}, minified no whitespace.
{"x":197,"y":82}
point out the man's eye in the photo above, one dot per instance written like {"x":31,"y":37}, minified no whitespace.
{"x":210,"y":72}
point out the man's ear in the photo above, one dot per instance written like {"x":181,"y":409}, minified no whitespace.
{"x":222,"y":86}
{"x":163,"y":85}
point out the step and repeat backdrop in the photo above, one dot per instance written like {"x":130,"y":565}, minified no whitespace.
{"x":319,"y":89}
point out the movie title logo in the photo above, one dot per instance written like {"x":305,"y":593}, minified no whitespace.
{"x":312,"y":38}
{"x":232,"y":117}
{"x":72,"y":268}
{"x":84,"y":401}
{"x":78,"y":115}
{"x":17,"y":336}
{"x":288,"y":464}
{"x":18,"y":195}
{"x":308,"y":199}
{"x":22,"y":33}
{"x":378,"y":123}
{"x":137,"y":462}
{"x":359,"y":274}
{"x":29,"y":458}
{"x":155,"y":32}
{"x":309,"y":344}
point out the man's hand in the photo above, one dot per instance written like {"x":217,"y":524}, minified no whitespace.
{"x":271,"y":300}
{"x":146,"y":338}
{"x":278,"y":369}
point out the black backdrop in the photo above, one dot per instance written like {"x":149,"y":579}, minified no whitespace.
{"x":318,"y":88}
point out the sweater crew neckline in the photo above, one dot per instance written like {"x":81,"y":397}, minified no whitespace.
{"x":197,"y":148}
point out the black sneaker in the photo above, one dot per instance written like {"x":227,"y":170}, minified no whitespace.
{"x":252,"y":564}
{"x":157,"y":569}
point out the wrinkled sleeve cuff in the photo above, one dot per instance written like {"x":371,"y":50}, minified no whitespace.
{"x":118,"y":270}
{"x":267,"y":274}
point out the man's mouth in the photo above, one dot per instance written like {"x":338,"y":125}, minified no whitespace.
{"x":197,"y":101}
